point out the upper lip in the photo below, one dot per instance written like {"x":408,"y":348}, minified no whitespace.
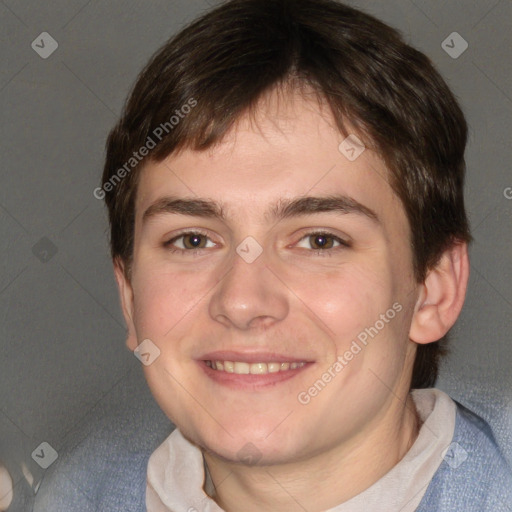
{"x":251,"y":357}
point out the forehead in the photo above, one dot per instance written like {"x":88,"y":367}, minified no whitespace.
{"x":289,"y":147}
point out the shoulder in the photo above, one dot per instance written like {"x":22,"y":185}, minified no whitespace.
{"x":474,"y":475}
{"x":95,"y":476}
{"x":104,"y":464}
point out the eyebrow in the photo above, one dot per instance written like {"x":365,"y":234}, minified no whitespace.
{"x":285,"y":208}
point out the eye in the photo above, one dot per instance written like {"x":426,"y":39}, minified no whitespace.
{"x":189,"y":241}
{"x":320,"y":241}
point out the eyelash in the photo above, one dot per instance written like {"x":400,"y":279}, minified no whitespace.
{"x":343,"y":244}
{"x":168,"y":245}
{"x":320,"y":252}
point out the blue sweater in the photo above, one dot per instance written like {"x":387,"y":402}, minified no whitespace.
{"x":103,"y":474}
{"x":482,"y":483}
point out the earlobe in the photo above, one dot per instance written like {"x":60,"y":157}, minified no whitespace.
{"x":127,"y":303}
{"x":441,"y":296}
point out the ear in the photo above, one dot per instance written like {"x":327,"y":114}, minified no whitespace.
{"x":127,"y":303}
{"x":441,"y":296}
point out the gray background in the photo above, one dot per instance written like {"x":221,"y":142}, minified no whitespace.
{"x":62,"y":353}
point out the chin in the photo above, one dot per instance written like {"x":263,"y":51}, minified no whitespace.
{"x":248,"y":447}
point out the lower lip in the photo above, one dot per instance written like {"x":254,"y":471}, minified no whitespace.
{"x":250,"y":381}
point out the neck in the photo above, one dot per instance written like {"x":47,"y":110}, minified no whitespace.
{"x":322,"y":481}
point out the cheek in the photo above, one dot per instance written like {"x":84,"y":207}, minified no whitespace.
{"x":365,"y":319}
{"x":347,"y":300}
{"x":165,"y":312}
{"x":163,"y":298}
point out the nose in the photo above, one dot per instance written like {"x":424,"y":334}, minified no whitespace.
{"x":249,"y":296}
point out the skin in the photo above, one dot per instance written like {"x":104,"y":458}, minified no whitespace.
{"x":6,"y":494}
{"x":292,"y":300}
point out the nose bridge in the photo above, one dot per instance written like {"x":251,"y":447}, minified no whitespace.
{"x":249,"y":294}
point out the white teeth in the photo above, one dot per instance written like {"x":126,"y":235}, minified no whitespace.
{"x":259,"y":368}
{"x":273,"y":367}
{"x":242,"y":368}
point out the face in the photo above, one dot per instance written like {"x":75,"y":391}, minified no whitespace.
{"x":281,"y":315}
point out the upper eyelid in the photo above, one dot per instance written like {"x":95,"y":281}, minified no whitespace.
{"x":325,"y":231}
{"x":342,"y":241}
{"x":197,"y":231}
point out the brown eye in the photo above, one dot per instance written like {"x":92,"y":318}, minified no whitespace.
{"x":321,"y":241}
{"x":194,"y":241}
{"x":189,"y":241}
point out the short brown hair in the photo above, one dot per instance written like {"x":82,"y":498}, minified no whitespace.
{"x":226,"y":60}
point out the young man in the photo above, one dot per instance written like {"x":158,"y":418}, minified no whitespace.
{"x":285,"y":191}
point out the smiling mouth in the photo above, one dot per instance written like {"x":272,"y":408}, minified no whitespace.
{"x":244,"y":368}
